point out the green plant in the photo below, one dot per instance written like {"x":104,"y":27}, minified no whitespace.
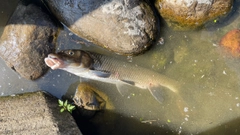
{"x":65,"y":106}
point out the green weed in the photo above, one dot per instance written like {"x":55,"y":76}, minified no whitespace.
{"x":65,"y":106}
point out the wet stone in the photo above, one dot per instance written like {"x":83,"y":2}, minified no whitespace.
{"x":90,"y":98}
{"x":191,"y":14}
{"x":27,"y":39}
{"x":35,"y":113}
{"x":124,"y":27}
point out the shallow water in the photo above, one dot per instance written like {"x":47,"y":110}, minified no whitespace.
{"x":209,"y":97}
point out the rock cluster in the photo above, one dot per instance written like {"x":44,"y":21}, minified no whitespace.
{"x":126,"y":27}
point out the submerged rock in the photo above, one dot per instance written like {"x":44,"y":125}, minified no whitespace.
{"x":27,"y":39}
{"x":191,"y":14}
{"x":125,"y":27}
{"x":231,"y":41}
{"x":89,"y":98}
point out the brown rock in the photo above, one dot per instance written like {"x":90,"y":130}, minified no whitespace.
{"x":26,"y":41}
{"x":231,"y":41}
{"x":125,"y":27}
{"x":191,"y":14}
{"x":90,"y":98}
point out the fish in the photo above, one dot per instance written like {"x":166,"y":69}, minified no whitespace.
{"x":107,"y":69}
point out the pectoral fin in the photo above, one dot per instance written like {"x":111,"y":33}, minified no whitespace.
{"x":157,"y":92}
{"x":100,"y":73}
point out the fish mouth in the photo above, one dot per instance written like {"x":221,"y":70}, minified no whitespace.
{"x":54,"y":62}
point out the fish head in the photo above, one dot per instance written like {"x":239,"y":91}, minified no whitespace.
{"x":69,"y":58}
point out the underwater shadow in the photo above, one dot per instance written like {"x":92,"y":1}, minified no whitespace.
{"x":7,"y":8}
{"x":112,"y":123}
{"x":229,"y":128}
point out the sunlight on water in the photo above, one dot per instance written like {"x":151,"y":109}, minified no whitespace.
{"x":208,"y":100}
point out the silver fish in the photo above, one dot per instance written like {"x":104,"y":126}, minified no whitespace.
{"x":107,"y":69}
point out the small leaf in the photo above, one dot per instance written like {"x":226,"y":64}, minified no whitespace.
{"x":72,"y":107}
{"x":62,"y":110}
{"x":68,"y":107}
{"x":60,"y":102}
{"x":65,"y":103}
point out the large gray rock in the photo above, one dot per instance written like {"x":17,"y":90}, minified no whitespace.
{"x":124,"y":26}
{"x":27,"y":39}
{"x":191,"y":14}
{"x":35,"y":113}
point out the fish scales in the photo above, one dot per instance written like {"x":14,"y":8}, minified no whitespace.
{"x":126,"y":71}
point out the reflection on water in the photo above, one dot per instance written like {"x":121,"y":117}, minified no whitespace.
{"x":210,"y":81}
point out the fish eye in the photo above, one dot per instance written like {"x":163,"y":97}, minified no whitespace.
{"x":71,"y":53}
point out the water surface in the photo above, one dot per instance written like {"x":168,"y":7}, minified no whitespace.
{"x":209,"y":97}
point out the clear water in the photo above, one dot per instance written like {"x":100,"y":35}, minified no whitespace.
{"x":209,"y":76}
